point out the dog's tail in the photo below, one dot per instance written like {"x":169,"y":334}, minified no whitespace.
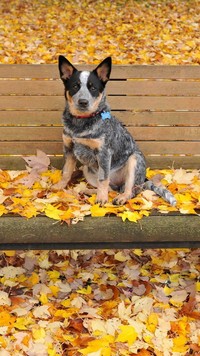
{"x":161,"y":191}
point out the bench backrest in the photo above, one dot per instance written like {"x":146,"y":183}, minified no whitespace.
{"x":160,"y":105}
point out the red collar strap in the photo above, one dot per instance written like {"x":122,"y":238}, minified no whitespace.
{"x":89,"y":116}
{"x":104,"y":115}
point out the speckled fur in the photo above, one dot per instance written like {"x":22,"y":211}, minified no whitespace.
{"x":107,"y":151}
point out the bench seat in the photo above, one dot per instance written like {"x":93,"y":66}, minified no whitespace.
{"x":160,"y":106}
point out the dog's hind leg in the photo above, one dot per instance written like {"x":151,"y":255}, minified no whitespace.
{"x":129,"y":173}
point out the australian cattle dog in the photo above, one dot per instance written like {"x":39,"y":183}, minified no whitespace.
{"x":110,"y":157}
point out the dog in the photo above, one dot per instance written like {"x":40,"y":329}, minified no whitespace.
{"x":110,"y":157}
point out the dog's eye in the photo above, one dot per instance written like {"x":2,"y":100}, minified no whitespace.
{"x":75,"y":86}
{"x":92,"y":87}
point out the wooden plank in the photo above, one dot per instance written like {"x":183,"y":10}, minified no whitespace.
{"x":55,"y":147}
{"x":137,"y":103}
{"x":129,"y":118}
{"x":163,"y":133}
{"x":152,"y":232}
{"x":173,"y":161}
{"x":151,"y":118}
{"x":20,"y":133}
{"x":29,"y":148}
{"x":170,"y":147}
{"x":160,"y":162}
{"x":118,"y":71}
{"x":31,"y":118}
{"x":129,"y":87}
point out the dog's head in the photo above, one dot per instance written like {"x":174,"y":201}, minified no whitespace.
{"x":84,"y":89}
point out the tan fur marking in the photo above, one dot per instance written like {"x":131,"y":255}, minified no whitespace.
{"x":96,"y":103}
{"x":69,"y":98}
{"x":67,"y":140}
{"x":102,"y":191}
{"x":129,"y":169}
{"x":91,"y":143}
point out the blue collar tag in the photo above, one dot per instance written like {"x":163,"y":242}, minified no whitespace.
{"x":105,"y":115}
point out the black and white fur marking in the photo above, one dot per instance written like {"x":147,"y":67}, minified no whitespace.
{"x":110,"y":157}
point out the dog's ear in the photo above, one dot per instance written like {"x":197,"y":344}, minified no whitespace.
{"x":103,"y":69}
{"x":66,"y":68}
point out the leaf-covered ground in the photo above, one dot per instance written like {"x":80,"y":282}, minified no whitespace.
{"x":132,"y":31}
{"x":100,"y":303}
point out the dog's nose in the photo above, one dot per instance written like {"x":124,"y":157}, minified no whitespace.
{"x":83,"y":103}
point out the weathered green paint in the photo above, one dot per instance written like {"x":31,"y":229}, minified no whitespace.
{"x":109,"y":232}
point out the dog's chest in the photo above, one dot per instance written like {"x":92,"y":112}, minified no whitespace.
{"x":85,"y":148}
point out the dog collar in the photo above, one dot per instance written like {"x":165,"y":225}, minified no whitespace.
{"x":104,"y":115}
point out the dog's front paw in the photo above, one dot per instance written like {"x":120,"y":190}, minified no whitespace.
{"x":102,"y":198}
{"x":120,"y":199}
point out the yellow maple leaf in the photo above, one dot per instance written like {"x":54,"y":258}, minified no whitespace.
{"x":131,"y":216}
{"x":102,"y":344}
{"x":66,"y":303}
{"x":67,"y":214}
{"x":53,"y":212}
{"x":3,"y":210}
{"x":3,"y":342}
{"x":10,"y":253}
{"x":152,"y":322}
{"x":29,"y":211}
{"x":53,"y":275}
{"x":128,"y":334}
{"x":137,"y":251}
{"x":87,"y":290}
{"x":32,"y":280}
{"x":20,"y":201}
{"x":43,"y":298}
{"x":167,"y":290}
{"x":119,"y":256}
{"x":6,"y":319}
{"x":54,"y":290}
{"x":92,"y":199}
{"x":180,"y":344}
{"x":65,"y":313}
{"x":52,"y":351}
{"x":38,"y":333}
{"x":54,"y":175}
{"x":21,"y":323}
{"x":97,"y":211}
{"x":198,"y":286}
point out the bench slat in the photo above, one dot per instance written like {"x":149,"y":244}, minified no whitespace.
{"x":137,"y":103}
{"x":129,"y":87}
{"x":139,"y":133}
{"x":118,"y":71}
{"x":129,"y":118}
{"x":152,"y":232}
{"x":55,"y":147}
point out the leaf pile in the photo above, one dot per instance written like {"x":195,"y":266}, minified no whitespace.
{"x":100,"y":303}
{"x":29,"y":193}
{"x":132,"y":31}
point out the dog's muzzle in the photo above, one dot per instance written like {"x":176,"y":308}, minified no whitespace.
{"x":83,"y":104}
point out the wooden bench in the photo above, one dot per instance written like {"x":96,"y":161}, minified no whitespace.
{"x":160,"y":105}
